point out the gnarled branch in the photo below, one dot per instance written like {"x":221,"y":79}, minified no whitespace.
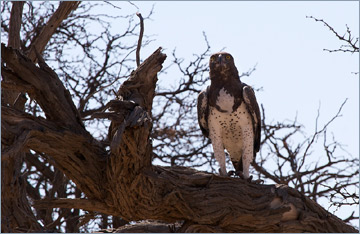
{"x":128,"y":185}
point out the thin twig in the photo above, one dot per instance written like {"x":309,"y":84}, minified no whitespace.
{"x":140,"y":38}
{"x":113,"y":5}
{"x":351,"y":41}
{"x":133,"y":5}
{"x":318,"y":132}
{"x":249,"y":72}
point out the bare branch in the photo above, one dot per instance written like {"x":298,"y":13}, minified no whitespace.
{"x":65,"y":8}
{"x":15,"y":24}
{"x":140,"y":39}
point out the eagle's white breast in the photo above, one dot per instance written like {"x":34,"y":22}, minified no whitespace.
{"x":225,"y":101}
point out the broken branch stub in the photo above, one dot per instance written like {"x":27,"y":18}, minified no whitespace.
{"x":136,"y":94}
{"x":140,"y":87}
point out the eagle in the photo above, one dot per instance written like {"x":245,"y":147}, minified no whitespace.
{"x":229,"y":115}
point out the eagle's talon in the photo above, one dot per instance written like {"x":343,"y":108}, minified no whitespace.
{"x":230,"y":173}
{"x":239,"y":174}
{"x":259,"y":181}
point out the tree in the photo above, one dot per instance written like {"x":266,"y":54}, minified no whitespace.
{"x":60,"y":167}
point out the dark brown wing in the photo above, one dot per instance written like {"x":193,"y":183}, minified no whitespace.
{"x":203,"y":111}
{"x":253,"y":108}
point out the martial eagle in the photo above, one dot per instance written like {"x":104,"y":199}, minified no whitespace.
{"x":229,"y":115}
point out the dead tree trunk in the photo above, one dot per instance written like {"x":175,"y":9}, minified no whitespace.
{"x":123,"y":182}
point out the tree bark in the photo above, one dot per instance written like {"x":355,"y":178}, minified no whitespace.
{"x":124,"y":183}
{"x":15,"y":24}
{"x":14,"y":42}
{"x":145,"y":226}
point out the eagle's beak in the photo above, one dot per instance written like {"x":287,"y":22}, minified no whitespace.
{"x":219,"y":60}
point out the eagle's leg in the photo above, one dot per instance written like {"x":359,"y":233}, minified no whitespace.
{"x":248,"y":153}
{"x":219,"y":154}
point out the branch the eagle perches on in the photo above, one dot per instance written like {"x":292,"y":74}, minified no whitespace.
{"x":123,"y":182}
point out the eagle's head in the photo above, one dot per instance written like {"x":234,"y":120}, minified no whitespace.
{"x":222,"y":63}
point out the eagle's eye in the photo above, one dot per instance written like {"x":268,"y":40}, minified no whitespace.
{"x":228,"y":57}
